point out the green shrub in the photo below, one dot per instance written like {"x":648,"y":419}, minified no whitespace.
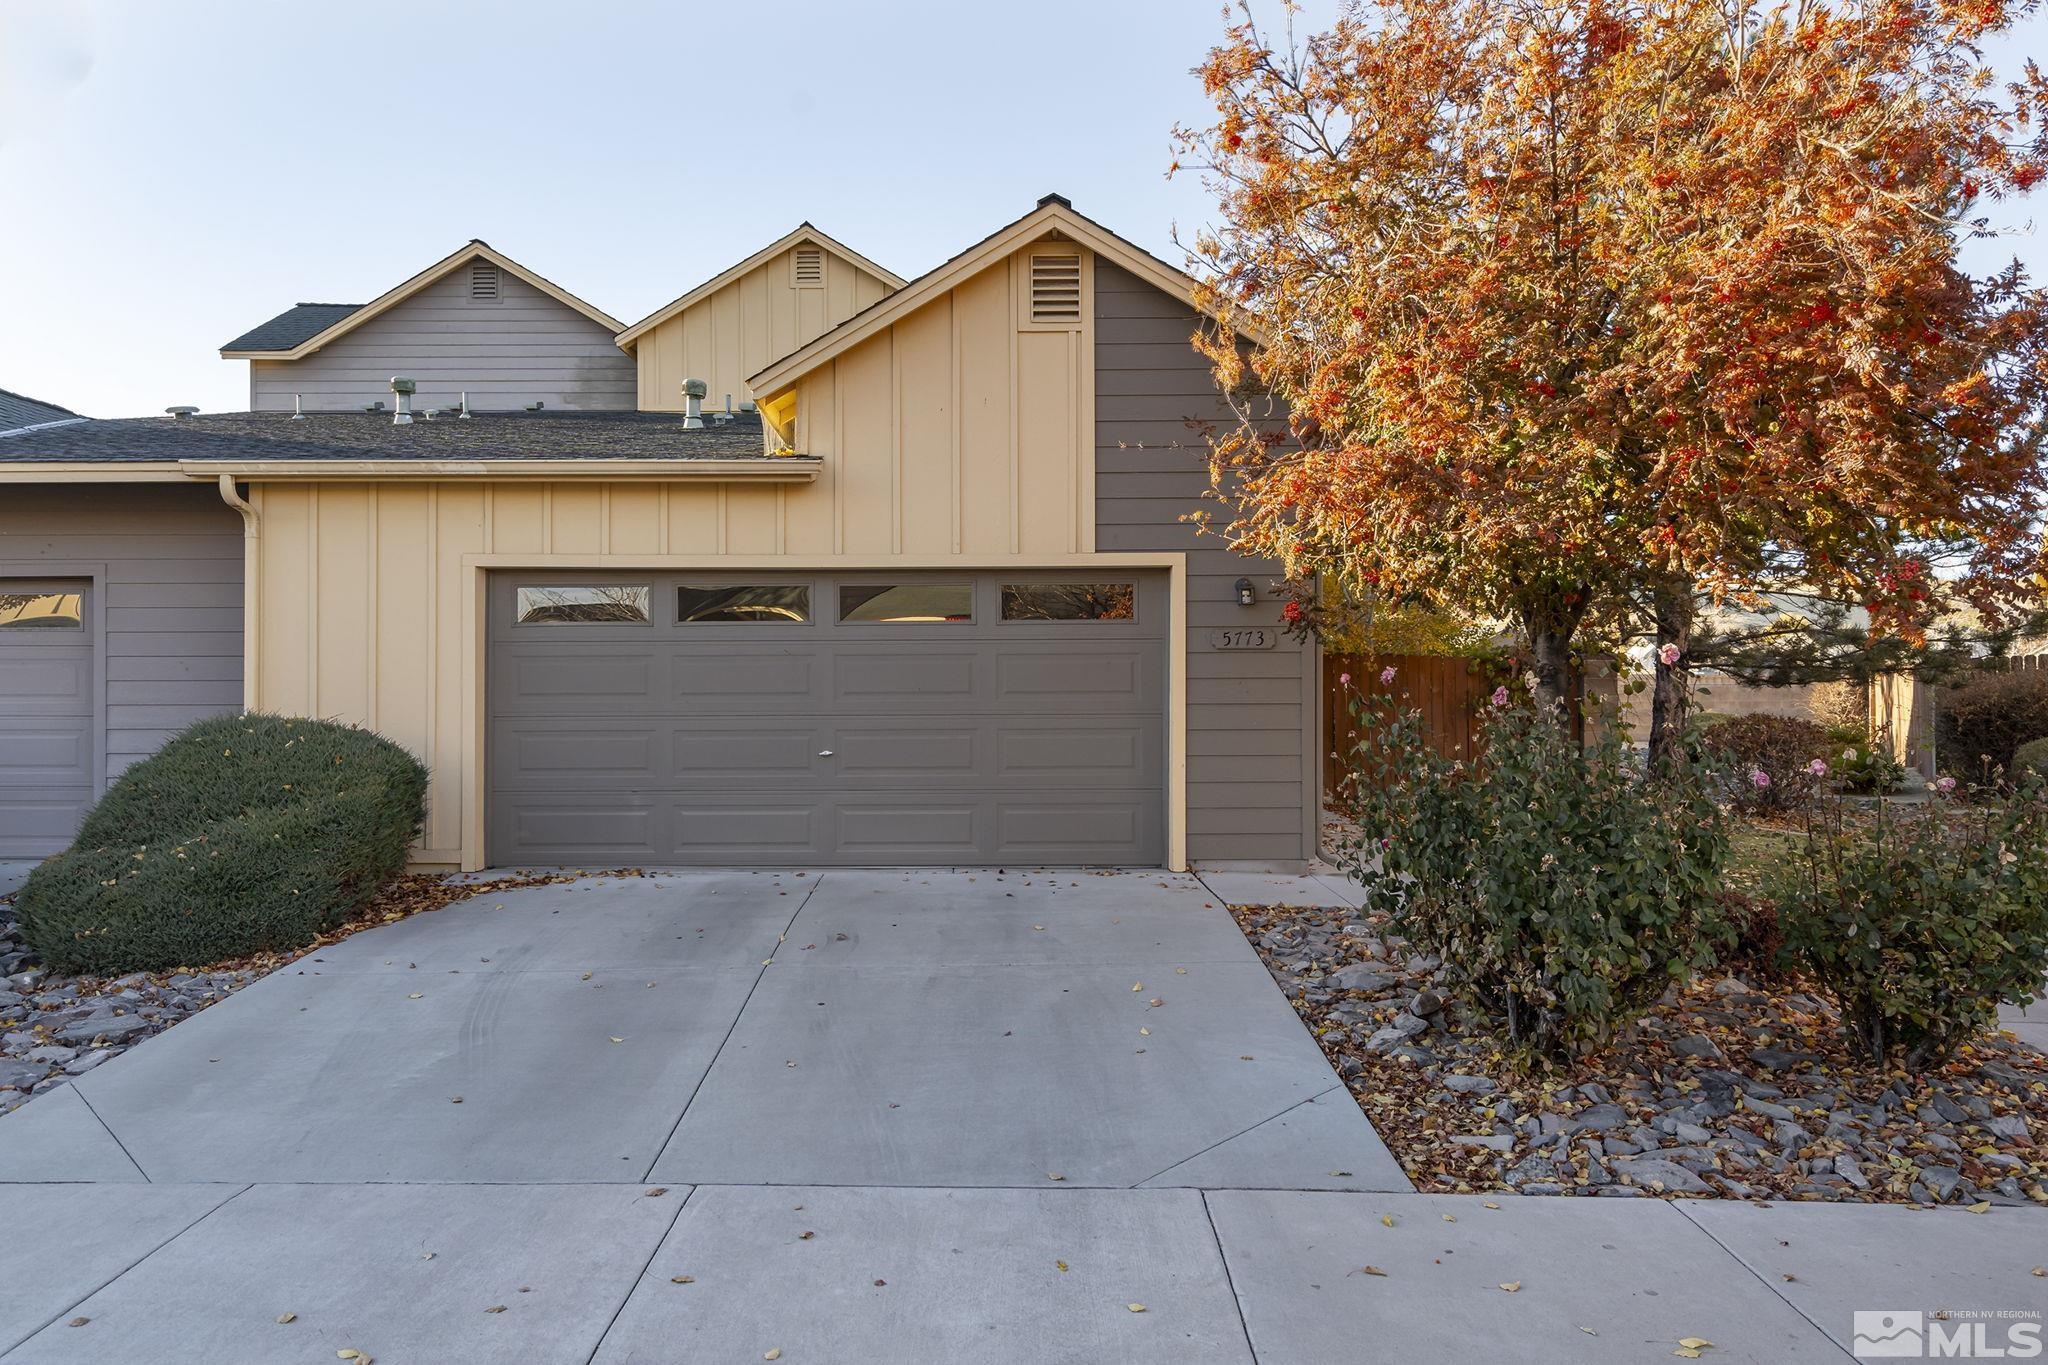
{"x":1921,"y":926}
{"x":1782,"y":748}
{"x":242,"y":834}
{"x":1982,"y":721}
{"x":1564,"y":892}
{"x":2031,"y":757}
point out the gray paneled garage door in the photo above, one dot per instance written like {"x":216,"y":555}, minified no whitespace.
{"x":48,"y":723}
{"x":855,"y":719}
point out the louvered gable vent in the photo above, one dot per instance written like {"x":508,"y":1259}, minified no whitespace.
{"x":483,"y":282}
{"x":1056,"y":289}
{"x":808,"y":269}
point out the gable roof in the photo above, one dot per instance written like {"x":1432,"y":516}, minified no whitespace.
{"x":19,"y":412}
{"x":802,"y":233}
{"x":1053,"y":218}
{"x":284,"y":348}
{"x":300,"y":322}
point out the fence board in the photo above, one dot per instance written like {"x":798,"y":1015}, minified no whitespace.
{"x":1450,"y":694}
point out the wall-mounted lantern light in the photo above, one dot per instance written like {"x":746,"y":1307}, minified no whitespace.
{"x":1246,"y":595}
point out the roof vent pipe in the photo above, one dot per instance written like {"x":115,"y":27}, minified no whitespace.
{"x":463,"y":416}
{"x":402,"y":390}
{"x":181,"y":412}
{"x":298,"y":408}
{"x":693,"y":404}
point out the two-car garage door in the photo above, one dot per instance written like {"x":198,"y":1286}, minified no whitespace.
{"x":854,"y":719}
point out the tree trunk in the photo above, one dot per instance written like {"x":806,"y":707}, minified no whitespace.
{"x":1550,"y":649}
{"x":1672,"y":696}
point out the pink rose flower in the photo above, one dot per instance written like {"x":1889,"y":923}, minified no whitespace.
{"x":1344,"y":678}
{"x":1668,"y":656}
{"x":1386,"y":675}
{"x":1817,"y":768}
{"x":1945,"y":785}
{"x":1500,"y":696}
{"x":1759,"y":779}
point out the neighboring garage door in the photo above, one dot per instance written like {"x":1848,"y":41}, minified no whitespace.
{"x":856,"y":719}
{"x":48,"y":724}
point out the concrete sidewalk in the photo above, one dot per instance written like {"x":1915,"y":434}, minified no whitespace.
{"x":615,"y":1273}
{"x":857,"y":1116}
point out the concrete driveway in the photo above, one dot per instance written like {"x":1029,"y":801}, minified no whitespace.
{"x":855,"y":1116}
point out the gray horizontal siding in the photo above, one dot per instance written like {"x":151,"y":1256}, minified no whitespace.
{"x":525,"y":348}
{"x":1251,"y":769}
{"x":171,"y":597}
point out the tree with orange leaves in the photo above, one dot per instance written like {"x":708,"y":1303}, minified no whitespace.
{"x":1591,"y":306}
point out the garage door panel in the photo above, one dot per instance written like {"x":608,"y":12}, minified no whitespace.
{"x":57,"y":750}
{"x":1122,"y":754}
{"x":1066,"y":831}
{"x":883,"y":831}
{"x":608,"y":828}
{"x":878,"y":676}
{"x":728,"y":755}
{"x":782,"y":830}
{"x":540,"y":753}
{"x":37,"y":823}
{"x":42,"y":681}
{"x":749,"y":678}
{"x":533,"y":678}
{"x":915,"y":751}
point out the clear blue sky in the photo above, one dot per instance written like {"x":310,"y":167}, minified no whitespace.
{"x":175,"y":173}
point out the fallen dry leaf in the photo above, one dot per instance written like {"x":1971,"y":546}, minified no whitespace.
{"x":287,"y":1317}
{"x":1983,"y":1206}
{"x":495,"y":1308}
{"x":1694,"y":1343}
{"x":78,"y":1322}
{"x":1373,"y":1270}
{"x":1135,"y":1307}
{"x":682,"y":1279}
{"x":1049,"y":1175}
{"x":772,"y":1354}
{"x":1387,"y":1220}
{"x":1062,"y":1265}
{"x":657,"y":1192}
{"x":1513,"y":1286}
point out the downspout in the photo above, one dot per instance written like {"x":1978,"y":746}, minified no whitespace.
{"x":251,"y":530}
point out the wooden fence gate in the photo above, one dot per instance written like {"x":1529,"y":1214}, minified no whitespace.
{"x":1450,"y":694}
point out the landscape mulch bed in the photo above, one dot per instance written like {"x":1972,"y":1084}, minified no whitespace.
{"x":1731,"y":1088}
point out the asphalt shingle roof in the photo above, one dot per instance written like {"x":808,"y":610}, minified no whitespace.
{"x":246,"y":436}
{"x":19,"y":410}
{"x":300,"y":322}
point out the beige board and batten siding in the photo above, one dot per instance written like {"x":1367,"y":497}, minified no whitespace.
{"x":519,"y":348}
{"x":738,"y":328}
{"x":164,"y":564}
{"x":1251,"y":791}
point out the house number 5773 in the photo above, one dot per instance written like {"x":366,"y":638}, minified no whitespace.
{"x":1256,"y":637}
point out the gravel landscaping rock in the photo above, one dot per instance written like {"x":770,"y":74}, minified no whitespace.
{"x":1729,"y":1088}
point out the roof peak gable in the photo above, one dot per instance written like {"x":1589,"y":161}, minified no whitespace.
{"x":803,"y":232}
{"x":1053,"y":217}
{"x":471,"y":250}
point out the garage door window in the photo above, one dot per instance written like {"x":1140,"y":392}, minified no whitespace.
{"x":1070,"y":601}
{"x":29,"y":610}
{"x":604,"y":604}
{"x":907,"y":603}
{"x":786,"y":603}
